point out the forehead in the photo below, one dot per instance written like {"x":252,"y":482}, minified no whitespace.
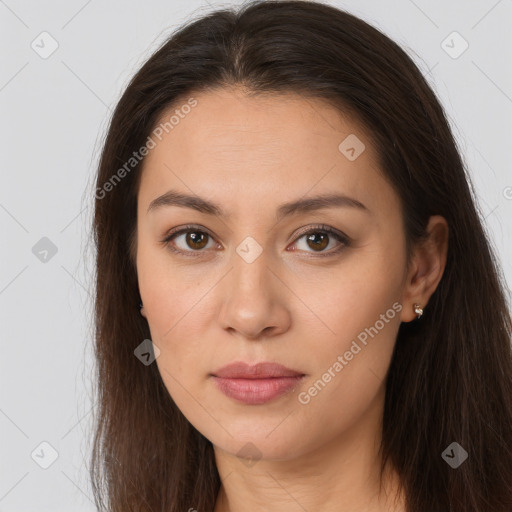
{"x":225,"y":119}
{"x":255,"y":147}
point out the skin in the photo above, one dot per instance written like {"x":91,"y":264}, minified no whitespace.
{"x":293,"y":307}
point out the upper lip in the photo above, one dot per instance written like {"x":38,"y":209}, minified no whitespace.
{"x":241,"y":370}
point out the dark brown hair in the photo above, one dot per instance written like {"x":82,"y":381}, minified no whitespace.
{"x":450,"y":377}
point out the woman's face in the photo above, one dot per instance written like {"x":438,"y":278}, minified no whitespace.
{"x":249,"y":284}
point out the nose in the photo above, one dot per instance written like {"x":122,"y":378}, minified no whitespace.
{"x":254,"y":300}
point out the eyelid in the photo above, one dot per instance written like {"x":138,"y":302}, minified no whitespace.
{"x":319,"y":227}
{"x":187,"y":227}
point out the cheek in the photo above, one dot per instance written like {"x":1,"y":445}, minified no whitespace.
{"x":342,"y":301}
{"x":359,"y":332}
{"x":177,"y":313}
{"x":176,"y":310}
{"x":171,"y":293}
{"x":349,"y":365}
{"x":356,"y":321}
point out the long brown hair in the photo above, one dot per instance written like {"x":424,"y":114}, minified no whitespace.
{"x":450,"y":378}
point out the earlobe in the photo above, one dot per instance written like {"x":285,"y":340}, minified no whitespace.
{"x":429,"y":261}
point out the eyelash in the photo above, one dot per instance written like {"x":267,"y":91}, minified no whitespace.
{"x":320,"y":228}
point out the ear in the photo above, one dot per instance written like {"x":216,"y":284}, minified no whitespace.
{"x":427,"y":265}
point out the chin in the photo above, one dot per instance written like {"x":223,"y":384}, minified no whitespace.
{"x":263,"y":443}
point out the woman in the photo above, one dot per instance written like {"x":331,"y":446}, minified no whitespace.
{"x":322,"y":320}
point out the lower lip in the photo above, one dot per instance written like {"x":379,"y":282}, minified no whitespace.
{"x":256,"y":391}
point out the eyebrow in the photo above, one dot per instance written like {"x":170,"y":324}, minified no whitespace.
{"x":309,"y":204}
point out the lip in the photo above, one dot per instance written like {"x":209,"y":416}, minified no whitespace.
{"x":241,"y":370}
{"x":256,"y":384}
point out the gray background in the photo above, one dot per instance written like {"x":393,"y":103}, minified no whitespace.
{"x":54,"y":113}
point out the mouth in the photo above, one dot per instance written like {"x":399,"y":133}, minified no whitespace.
{"x":256,"y":384}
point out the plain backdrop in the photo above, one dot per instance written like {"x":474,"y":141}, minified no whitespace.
{"x":54,"y":112}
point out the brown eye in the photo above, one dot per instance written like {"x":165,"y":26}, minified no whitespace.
{"x":191,"y":241}
{"x":196,"y":239}
{"x":188,"y":240}
{"x":318,"y":238}
{"x":318,"y":241}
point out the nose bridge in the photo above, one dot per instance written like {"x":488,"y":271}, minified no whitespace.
{"x":251,"y":302}
{"x":251,"y":255}
{"x":252,"y":251}
{"x":250,"y":272}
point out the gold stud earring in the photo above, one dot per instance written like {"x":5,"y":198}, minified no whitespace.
{"x":418,"y":310}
